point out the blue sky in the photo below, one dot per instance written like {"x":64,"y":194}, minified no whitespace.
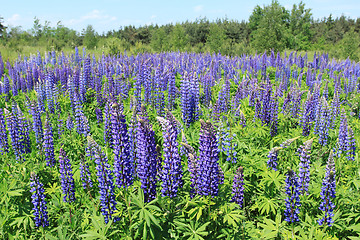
{"x":107,"y":15}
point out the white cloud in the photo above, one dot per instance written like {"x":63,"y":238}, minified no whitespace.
{"x":151,"y":21}
{"x":93,"y":15}
{"x":13,"y":20}
{"x":198,"y":8}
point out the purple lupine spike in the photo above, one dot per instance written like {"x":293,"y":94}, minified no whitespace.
{"x":39,"y":202}
{"x":171,"y":169}
{"x":4,"y":144}
{"x":87,"y":71}
{"x":238,"y":187}
{"x":288,"y":142}
{"x":132,"y":141}
{"x":12,"y":122}
{"x":241,"y":117}
{"x":226,"y":144}
{"x":24,"y":130}
{"x":84,"y":125}
{"x":274,"y":106}
{"x":324,"y":122}
{"x":343,"y":134}
{"x":49,"y":91}
{"x":66,"y":175}
{"x":105,"y":179}
{"x":171,"y":90}
{"x":78,"y":113}
{"x":335,"y":108}
{"x":328,"y":192}
{"x":265,"y":114}
{"x":48,"y":145}
{"x":305,"y":118}
{"x":85,"y":175}
{"x":350,"y":145}
{"x":99,"y":115}
{"x":82,"y":88}
{"x":60,"y":126}
{"x":273,"y":158}
{"x":208,"y":161}
{"x":224,"y":97}
{"x":296,"y":103}
{"x":123,"y":167}
{"x":304,"y":152}
{"x":257,"y":109}
{"x":190,"y":98}
{"x":6,"y":88}
{"x":286,"y":104}
{"x":193,"y":167}
{"x":146,"y":157}
{"x":107,"y":125}
{"x":37,"y":123}
{"x":292,"y":201}
{"x":69,"y":123}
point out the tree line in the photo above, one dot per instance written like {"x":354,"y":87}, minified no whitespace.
{"x":269,"y":27}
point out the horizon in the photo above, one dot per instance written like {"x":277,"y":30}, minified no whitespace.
{"x":104,"y":16}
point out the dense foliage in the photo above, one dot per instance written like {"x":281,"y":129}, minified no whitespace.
{"x":179,"y":146}
{"x":269,"y":27}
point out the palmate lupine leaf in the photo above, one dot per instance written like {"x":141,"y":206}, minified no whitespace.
{"x":144,"y":215}
{"x":192,"y":230}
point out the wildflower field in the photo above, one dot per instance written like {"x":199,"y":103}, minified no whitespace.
{"x":179,"y":146}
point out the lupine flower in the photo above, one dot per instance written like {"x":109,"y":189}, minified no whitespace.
{"x":107,"y":125}
{"x":12,"y":122}
{"x":208,"y":161}
{"x":78,"y":114}
{"x":305,"y":118}
{"x":66,"y":175}
{"x":123,"y":167}
{"x":241,"y":117}
{"x":69,"y":123}
{"x":24,"y":130}
{"x":4,"y":145}
{"x":328,"y":192}
{"x":85,"y":175}
{"x":192,"y":167}
{"x":60,"y":126}
{"x":324,"y":122}
{"x":99,"y":115}
{"x":105,"y":179}
{"x":171,"y":169}
{"x":288,"y":142}
{"x":48,"y":145}
{"x":257,"y":109}
{"x":343,"y":135}
{"x":85,"y":127}
{"x":37,"y":123}
{"x":146,"y":157}
{"x":132,"y":141}
{"x":224,"y":97}
{"x":39,"y":202}
{"x":292,"y":201}
{"x":238,"y":187}
{"x":49,"y":91}
{"x":304,"y":166}
{"x":190,"y":98}
{"x":226,"y":143}
{"x":274,"y":106}
{"x":273,"y":158}
{"x":296,"y":103}
{"x":350,"y":145}
{"x":171,"y":90}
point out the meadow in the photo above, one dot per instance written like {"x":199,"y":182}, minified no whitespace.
{"x":179,"y":145}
